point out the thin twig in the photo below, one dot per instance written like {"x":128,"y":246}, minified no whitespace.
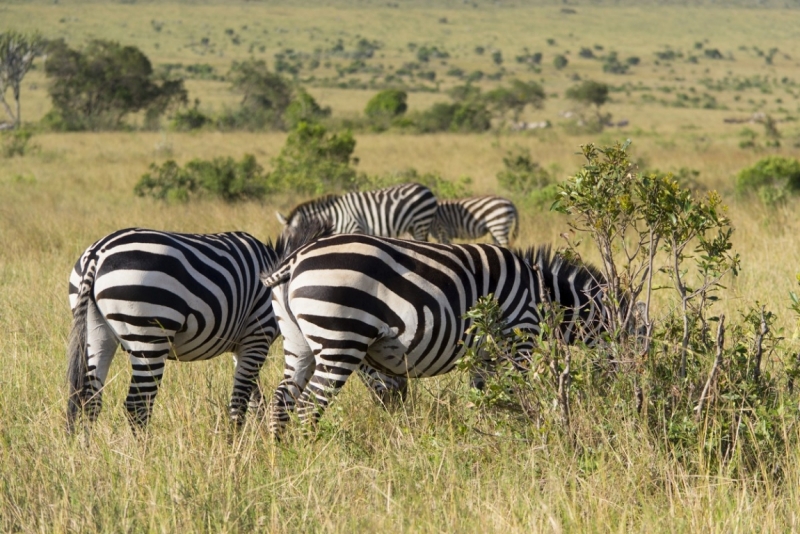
{"x":762,"y":332}
{"x":712,"y":376}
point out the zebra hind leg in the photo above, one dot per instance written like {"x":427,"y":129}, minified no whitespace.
{"x":298,"y":368}
{"x":329,"y":377}
{"x":387,"y":390}
{"x":147,"y":373}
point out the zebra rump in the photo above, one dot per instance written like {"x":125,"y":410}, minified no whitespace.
{"x":388,"y":212}
{"x":164,"y":295}
{"x":399,"y":307}
{"x":472,"y":218}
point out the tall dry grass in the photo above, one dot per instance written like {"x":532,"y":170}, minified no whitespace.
{"x":432,"y":465}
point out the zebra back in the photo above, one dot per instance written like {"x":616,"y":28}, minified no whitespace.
{"x":474,"y":217}
{"x":388,"y":212}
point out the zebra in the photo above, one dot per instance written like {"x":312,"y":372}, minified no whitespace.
{"x":399,"y":306}
{"x":472,"y":218}
{"x":164,"y":295}
{"x":388,"y":212}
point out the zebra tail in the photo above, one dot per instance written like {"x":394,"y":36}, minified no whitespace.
{"x":290,"y":241}
{"x":77,"y":352}
{"x":515,"y":232}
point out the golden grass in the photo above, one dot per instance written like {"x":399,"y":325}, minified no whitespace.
{"x":424,"y":467}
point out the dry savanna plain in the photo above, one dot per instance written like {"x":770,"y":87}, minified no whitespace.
{"x":438,"y":463}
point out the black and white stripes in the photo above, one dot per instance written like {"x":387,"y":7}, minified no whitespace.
{"x":162,"y":296}
{"x":474,"y":217}
{"x":399,"y":306}
{"x":389,"y":212}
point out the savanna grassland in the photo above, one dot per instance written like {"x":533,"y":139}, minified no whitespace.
{"x":436,"y":463}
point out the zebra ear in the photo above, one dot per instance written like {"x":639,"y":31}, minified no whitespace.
{"x":281,"y":218}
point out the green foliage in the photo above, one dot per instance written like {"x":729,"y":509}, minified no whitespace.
{"x":516,"y":97}
{"x":17,"y":53}
{"x":265,"y":96}
{"x":528,"y":182}
{"x":14,"y":143}
{"x":560,"y":61}
{"x":96,"y":88}
{"x":441,"y":187}
{"x":314,"y":162}
{"x":721,"y":408}
{"x":222,"y":178}
{"x":771,"y":178}
{"x":387,"y":103}
{"x":304,"y":108}
{"x":468,"y":116}
{"x":589,"y":92}
{"x":190,"y":119}
{"x":613,"y":65}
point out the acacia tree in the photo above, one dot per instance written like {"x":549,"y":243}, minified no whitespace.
{"x":516,"y":97}
{"x":265,"y":95}
{"x":17,"y":52}
{"x":97,"y":87}
{"x":590,"y":93}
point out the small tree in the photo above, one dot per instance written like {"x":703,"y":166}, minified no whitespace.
{"x":304,"y":108}
{"x":17,"y":52}
{"x":516,"y":97}
{"x":590,"y":93}
{"x":265,"y":95}
{"x":314,"y":162}
{"x":97,"y":87}
{"x":388,"y":103}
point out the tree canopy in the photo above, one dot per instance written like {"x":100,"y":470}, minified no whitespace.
{"x":17,"y":52}
{"x":97,"y":87}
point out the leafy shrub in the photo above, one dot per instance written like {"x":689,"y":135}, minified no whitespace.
{"x":772,"y":172}
{"x":314,"y":162}
{"x":191,"y":119}
{"x":529,"y":183}
{"x":96,"y":88}
{"x":14,"y":143}
{"x":468,"y":116}
{"x":385,"y":106}
{"x":560,"y":61}
{"x":266,"y":96}
{"x":222,"y":178}
{"x":304,"y":108}
{"x":440,"y":186}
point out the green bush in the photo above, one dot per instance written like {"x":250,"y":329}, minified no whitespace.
{"x":388,"y":103}
{"x":774,"y":172}
{"x":304,"y":108}
{"x":222,"y":178}
{"x":530,"y":185}
{"x":314,"y":162}
{"x":434,"y":181}
{"x":190,"y":119}
{"x":96,"y":88}
{"x":14,"y":143}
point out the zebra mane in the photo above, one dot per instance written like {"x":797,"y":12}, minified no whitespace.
{"x":315,"y":205}
{"x":542,"y":257}
{"x":289,"y":242}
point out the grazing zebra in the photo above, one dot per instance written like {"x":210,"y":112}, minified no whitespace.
{"x":164,"y":295}
{"x":472,"y":218}
{"x":399,"y":306}
{"x":388,"y":212}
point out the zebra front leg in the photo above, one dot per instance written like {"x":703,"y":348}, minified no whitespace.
{"x":148,"y":368}
{"x":245,"y":386}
